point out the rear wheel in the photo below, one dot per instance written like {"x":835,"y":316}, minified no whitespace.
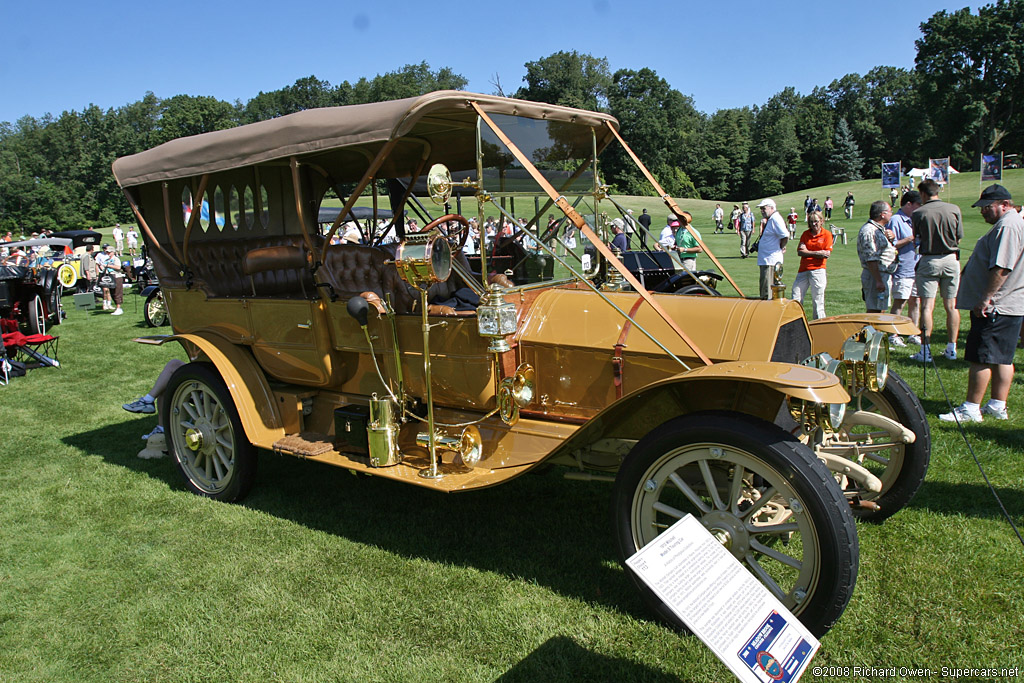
{"x":155,"y":311}
{"x":762,"y":493}
{"x":36,"y":315}
{"x":205,"y":436}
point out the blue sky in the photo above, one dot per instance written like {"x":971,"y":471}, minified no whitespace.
{"x":60,"y":55}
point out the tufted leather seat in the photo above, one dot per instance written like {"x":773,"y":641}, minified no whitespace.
{"x":219,"y":268}
{"x":352,"y":269}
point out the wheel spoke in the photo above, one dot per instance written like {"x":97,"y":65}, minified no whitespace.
{"x":207,"y":405}
{"x":709,"y":482}
{"x":765,"y":497}
{"x":226,"y":443}
{"x":766,"y":578}
{"x":736,"y":489}
{"x":776,"y":555}
{"x":209,"y":466}
{"x":784,"y":528}
{"x":874,"y":456}
{"x":191,"y":410}
{"x":217,"y":463}
{"x":688,"y":492}
{"x":669,"y":510}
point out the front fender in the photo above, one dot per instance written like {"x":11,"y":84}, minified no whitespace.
{"x":244,"y":378}
{"x":148,"y":289}
{"x":828,"y":334}
{"x":755,"y":388}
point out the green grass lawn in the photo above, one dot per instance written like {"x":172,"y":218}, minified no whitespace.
{"x":111,"y":571}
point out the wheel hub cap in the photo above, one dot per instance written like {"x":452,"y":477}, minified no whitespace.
{"x":729,"y":530}
{"x":194,"y":439}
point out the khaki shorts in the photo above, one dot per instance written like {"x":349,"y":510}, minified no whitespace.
{"x":939,"y":274}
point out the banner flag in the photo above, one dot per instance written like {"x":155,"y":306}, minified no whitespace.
{"x":891,"y":174}
{"x":938,"y":170}
{"x":992,"y":166}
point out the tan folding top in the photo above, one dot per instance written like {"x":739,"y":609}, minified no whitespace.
{"x":317,"y":130}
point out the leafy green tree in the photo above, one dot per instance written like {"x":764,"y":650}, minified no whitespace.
{"x":775,"y":152}
{"x":411,"y":80}
{"x":660,"y":124}
{"x":184,"y":115}
{"x":721,"y":171}
{"x":846,"y":161}
{"x":568,"y":78}
{"x":306,"y":93}
{"x":971,"y":81}
{"x":815,"y":126}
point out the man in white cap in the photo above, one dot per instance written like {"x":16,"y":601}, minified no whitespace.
{"x":772,"y":244}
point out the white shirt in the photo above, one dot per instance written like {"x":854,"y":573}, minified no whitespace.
{"x":718,"y":214}
{"x":667,"y":238}
{"x":118,"y":234}
{"x":769,"y":249}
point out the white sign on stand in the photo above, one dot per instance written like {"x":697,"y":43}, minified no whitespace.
{"x":724,"y":604}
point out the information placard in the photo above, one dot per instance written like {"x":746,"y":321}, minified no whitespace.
{"x":724,"y":604}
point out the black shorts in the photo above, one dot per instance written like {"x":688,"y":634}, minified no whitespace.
{"x":992,"y":340}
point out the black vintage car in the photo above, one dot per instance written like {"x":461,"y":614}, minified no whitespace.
{"x":31,"y":295}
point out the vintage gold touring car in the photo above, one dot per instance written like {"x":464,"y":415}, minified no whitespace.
{"x":395,"y":353}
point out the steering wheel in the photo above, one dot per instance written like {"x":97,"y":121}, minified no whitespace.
{"x":456,"y":236}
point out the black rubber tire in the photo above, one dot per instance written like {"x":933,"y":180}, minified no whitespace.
{"x":230,"y":471}
{"x":55,"y":306}
{"x":826,"y":539}
{"x":899,"y":402}
{"x":697,"y":290}
{"x":154,"y":311}
{"x":36,"y":315}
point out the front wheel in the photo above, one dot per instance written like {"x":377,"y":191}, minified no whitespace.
{"x":773,"y":505}
{"x":205,"y":436}
{"x":154,"y":311}
{"x":900,"y":466}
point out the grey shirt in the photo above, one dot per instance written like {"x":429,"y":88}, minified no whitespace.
{"x":939,"y":227}
{"x":1001,"y":247}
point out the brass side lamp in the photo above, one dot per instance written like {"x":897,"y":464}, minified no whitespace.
{"x":423,"y":259}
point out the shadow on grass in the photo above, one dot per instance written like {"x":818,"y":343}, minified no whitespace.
{"x":562,"y":659}
{"x":540,"y":528}
{"x":972,"y":500}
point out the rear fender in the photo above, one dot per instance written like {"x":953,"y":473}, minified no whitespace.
{"x":244,"y":378}
{"x":828,"y":334}
{"x":755,"y":388}
{"x":149,"y":290}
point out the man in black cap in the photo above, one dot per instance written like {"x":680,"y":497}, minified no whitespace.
{"x":992,"y":289}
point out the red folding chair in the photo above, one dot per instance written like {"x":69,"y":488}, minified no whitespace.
{"x":38,"y":350}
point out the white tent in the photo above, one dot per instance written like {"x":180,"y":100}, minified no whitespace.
{"x":923,"y":172}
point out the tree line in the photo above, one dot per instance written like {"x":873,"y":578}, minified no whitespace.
{"x":963,"y":97}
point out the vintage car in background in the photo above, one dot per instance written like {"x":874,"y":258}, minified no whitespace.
{"x":31,"y":292}
{"x":400,"y":357}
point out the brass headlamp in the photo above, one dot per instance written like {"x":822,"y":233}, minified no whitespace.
{"x":812,"y":415}
{"x":867,"y":357}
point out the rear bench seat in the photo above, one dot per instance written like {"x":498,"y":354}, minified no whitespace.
{"x":275,"y":268}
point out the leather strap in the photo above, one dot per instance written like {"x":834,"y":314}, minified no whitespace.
{"x":617,"y":359}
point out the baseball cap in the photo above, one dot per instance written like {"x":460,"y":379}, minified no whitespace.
{"x":992,"y":193}
{"x":673,"y":224}
{"x":767,"y":202}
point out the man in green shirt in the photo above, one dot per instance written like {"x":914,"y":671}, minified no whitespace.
{"x":686,"y":245}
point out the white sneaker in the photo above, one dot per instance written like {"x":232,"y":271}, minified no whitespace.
{"x":997,"y":413}
{"x":950,"y":352}
{"x":896,"y":340}
{"x":106,"y":305}
{"x":961,"y":414}
{"x":117,"y":311}
{"x":922,"y":356}
{"x":914,"y":339}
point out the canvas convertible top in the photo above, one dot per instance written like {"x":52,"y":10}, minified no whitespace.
{"x":430,"y":116}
